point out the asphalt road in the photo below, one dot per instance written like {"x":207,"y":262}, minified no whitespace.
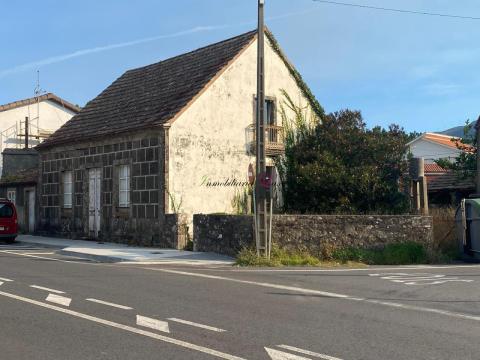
{"x":54,"y":307}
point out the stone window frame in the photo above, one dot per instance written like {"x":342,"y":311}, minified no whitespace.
{"x":13,"y":198}
{"x":124,"y":174}
{"x":67,"y":195}
{"x":274,"y":100}
{"x":123,"y":212}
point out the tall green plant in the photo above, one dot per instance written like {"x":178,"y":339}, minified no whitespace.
{"x":336,"y":164}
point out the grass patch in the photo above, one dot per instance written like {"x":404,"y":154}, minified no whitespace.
{"x":279,"y":257}
{"x":406,"y":253}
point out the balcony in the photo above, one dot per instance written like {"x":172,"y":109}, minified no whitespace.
{"x":274,"y":139}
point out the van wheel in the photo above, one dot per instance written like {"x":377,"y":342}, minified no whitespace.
{"x":10,"y":240}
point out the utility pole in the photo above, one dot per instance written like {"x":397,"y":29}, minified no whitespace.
{"x":26,"y":132}
{"x":477,"y":128}
{"x":261,"y":215}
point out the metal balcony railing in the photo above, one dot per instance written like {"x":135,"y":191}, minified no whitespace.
{"x":274,"y":139}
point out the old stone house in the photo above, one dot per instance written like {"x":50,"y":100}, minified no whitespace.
{"x":169,"y":138}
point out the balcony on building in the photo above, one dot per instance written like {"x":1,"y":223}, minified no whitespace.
{"x":274,"y":139}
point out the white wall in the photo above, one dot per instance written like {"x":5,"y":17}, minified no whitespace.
{"x":209,"y":138}
{"x":52,"y":116}
{"x":431,"y":151}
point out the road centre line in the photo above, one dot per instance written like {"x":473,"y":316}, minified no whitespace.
{"x":47,"y":289}
{"x":191,"y":323}
{"x":131,"y":329}
{"x":5,"y":279}
{"x":307,"y":352}
{"x":57,"y":299}
{"x":327,"y":294}
{"x":123,"y":307}
{"x":153,"y":323}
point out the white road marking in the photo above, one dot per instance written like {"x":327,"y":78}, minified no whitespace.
{"x":307,"y":352}
{"x":39,"y":253}
{"x":57,"y":299}
{"x":5,"y":279}
{"x":51,"y":259}
{"x":1,"y":283}
{"x":327,"y":294}
{"x":280,"y":355}
{"x":131,"y":329}
{"x":418,"y":278}
{"x":153,"y":323}
{"x":47,"y":289}
{"x":196,"y":325}
{"x":110,"y":304}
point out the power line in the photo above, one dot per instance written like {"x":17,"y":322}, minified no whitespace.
{"x":404,"y":11}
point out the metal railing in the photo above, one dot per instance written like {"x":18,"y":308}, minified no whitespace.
{"x":274,"y":139}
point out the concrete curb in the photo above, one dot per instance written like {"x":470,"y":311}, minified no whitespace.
{"x":97,"y":258}
{"x":39,"y":244}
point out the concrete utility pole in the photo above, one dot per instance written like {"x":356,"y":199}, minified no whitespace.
{"x":477,"y":128}
{"x":261,"y":216}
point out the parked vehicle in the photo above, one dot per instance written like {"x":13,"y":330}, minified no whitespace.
{"x":8,"y":221}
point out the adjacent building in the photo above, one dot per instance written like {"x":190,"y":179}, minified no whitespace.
{"x":45,"y":114}
{"x":169,"y":138}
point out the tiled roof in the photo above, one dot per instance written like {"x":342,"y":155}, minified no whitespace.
{"x":149,"y":96}
{"x":448,"y":181}
{"x":33,"y":100}
{"x":434,"y":168}
{"x":443,"y":140}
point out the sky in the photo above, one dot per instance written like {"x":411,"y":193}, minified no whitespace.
{"x":421,"y":72}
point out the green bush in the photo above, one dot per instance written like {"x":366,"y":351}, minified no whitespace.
{"x":392,"y":254}
{"x":279,"y":257}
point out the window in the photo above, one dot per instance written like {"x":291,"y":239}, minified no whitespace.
{"x":67,"y":189}
{"x":270,"y":112}
{"x":11,"y":195}
{"x":124,"y":186}
{"x":6,"y":211}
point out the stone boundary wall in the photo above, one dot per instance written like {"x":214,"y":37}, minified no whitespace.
{"x":317,"y":234}
{"x":169,"y":232}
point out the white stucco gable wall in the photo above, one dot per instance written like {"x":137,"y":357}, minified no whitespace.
{"x":208,"y":141}
{"x":431,"y":151}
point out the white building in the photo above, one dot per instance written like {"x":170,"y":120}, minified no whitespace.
{"x":432,"y":146}
{"x":46,"y":113}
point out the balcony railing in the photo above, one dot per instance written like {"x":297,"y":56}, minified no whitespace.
{"x":274,"y":139}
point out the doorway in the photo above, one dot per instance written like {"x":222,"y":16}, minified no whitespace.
{"x":94,"y":181}
{"x":30,"y":210}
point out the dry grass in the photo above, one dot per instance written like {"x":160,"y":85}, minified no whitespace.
{"x":444,"y":231}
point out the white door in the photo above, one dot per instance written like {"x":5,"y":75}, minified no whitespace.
{"x":31,"y":211}
{"x":94,"y":201}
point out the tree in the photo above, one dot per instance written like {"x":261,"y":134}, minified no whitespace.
{"x":335,"y":164}
{"x":465,"y":165}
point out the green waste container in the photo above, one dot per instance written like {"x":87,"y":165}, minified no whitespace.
{"x":468,"y":227}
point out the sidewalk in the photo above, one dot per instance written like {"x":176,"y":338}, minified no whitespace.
{"x":111,"y":252}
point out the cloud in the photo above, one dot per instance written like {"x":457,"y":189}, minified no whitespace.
{"x":440,"y":89}
{"x":78,"y":53}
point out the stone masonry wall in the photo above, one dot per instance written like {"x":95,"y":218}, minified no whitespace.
{"x":227,"y":234}
{"x":142,"y":223}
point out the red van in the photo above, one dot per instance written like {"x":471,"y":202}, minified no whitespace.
{"x":8,"y":221}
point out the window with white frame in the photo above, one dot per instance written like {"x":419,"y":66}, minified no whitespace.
{"x":67,"y":189}
{"x":124,"y":186}
{"x":12,"y":195}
